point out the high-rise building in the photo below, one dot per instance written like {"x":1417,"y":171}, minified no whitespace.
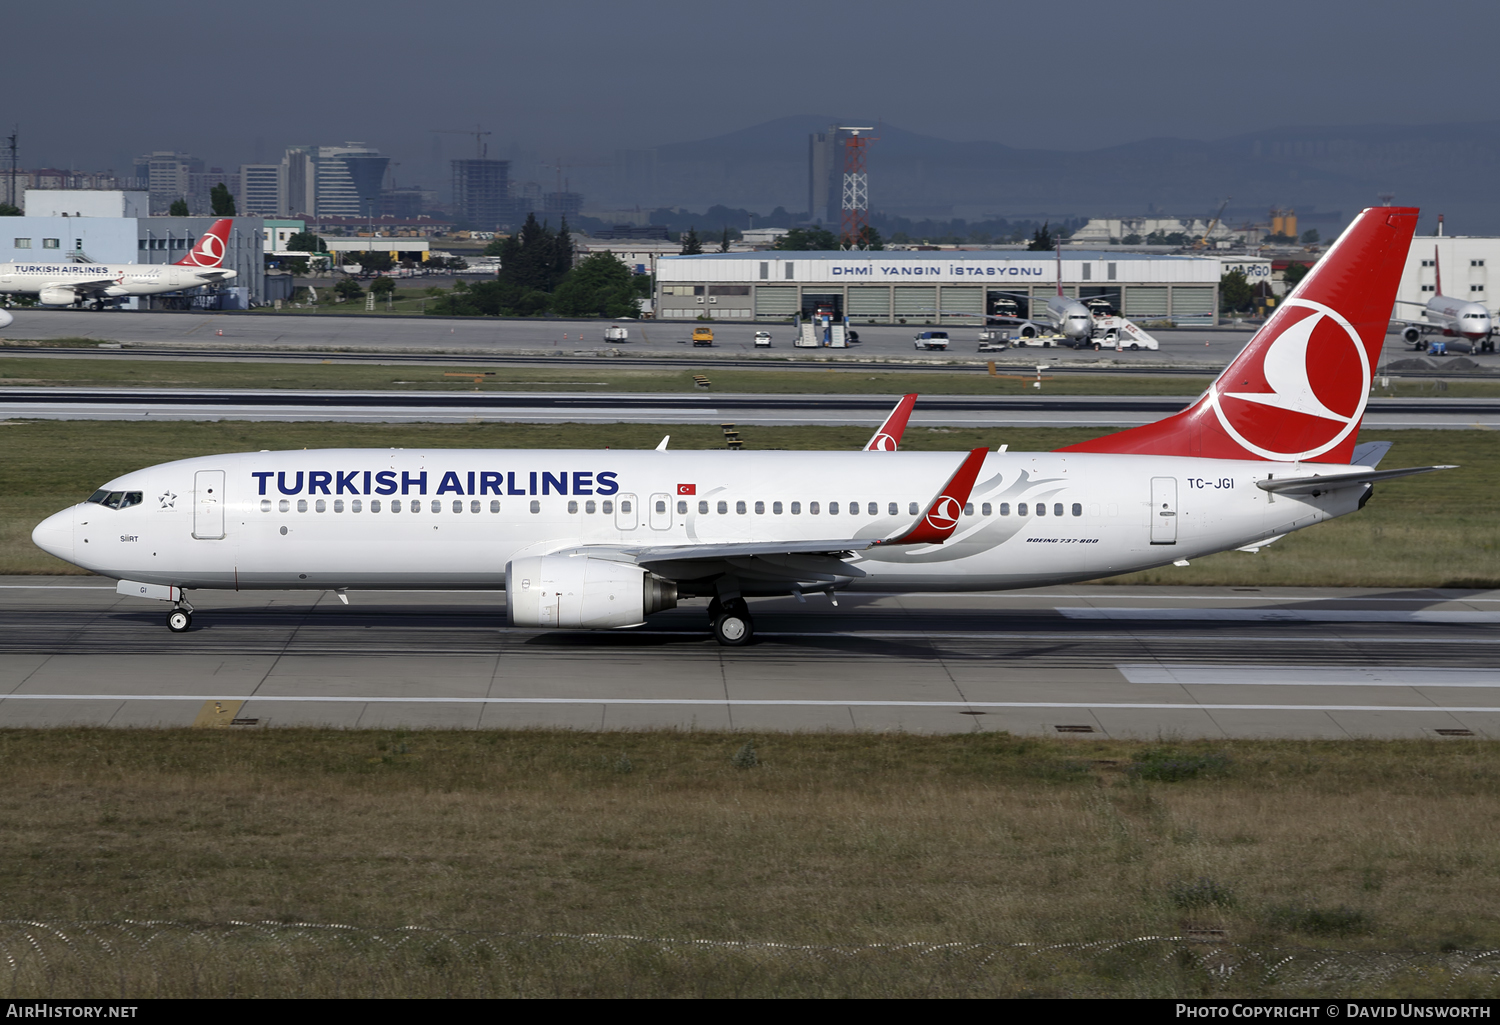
{"x":260,"y":189}
{"x":168,"y":176}
{"x":560,"y":206}
{"x":333,"y":181}
{"x":481,"y":193}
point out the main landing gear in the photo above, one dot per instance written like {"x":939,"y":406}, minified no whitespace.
{"x":180,"y":619}
{"x":731,"y":622}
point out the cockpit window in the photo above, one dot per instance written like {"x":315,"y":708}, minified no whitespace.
{"x":116,"y":499}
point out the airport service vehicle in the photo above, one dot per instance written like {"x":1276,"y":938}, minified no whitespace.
{"x":932,"y":340}
{"x":1115,"y":332}
{"x":72,"y":284}
{"x":603,"y":539}
{"x":1064,"y":321}
{"x":993,"y":341}
{"x":1450,"y":317}
{"x":762,"y":339}
{"x":703,"y":336}
{"x":616,"y":333}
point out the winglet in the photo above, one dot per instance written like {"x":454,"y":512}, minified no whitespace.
{"x":888,"y":438}
{"x":942,"y":515}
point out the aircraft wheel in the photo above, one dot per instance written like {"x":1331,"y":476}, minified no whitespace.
{"x":179,"y":621}
{"x":734,"y":628}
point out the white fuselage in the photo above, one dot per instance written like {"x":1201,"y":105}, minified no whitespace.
{"x":1070,"y":318}
{"x":1457,"y":317}
{"x":53,"y":281}
{"x":360,"y":518}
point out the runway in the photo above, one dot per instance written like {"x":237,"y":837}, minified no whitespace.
{"x":1084,"y":660}
{"x":1101,"y":411}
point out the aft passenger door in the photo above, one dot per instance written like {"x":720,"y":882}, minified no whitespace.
{"x":208,"y":505}
{"x":661,"y":512}
{"x":1164,"y":510}
{"x":626,"y":515}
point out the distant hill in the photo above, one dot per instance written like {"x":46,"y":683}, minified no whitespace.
{"x":1448,"y":168}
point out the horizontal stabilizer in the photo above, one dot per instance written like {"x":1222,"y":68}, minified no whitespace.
{"x":1370,"y":453}
{"x":1317,"y":485}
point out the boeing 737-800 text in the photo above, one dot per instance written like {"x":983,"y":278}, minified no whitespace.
{"x":602,"y":539}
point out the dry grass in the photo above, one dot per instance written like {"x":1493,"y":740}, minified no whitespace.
{"x":1431,"y":531}
{"x":830,"y":839}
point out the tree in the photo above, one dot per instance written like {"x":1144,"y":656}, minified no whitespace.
{"x":562,"y":254}
{"x":382,"y":287}
{"x":807,"y":239}
{"x":869,"y":238}
{"x":9,"y":210}
{"x":306,"y":242}
{"x":692,"y":245}
{"x":348,"y":289}
{"x":221,"y":203}
{"x":179,"y":208}
{"x":1294,"y":274}
{"x":724,"y":242}
{"x":496,"y":246}
{"x":1131,"y":240}
{"x":1311,"y":237}
{"x":1041,"y":240}
{"x":600,"y":286}
{"x":1235,"y":292}
{"x":373,"y":261}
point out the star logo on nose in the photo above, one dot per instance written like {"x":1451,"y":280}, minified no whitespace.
{"x":168,"y":500}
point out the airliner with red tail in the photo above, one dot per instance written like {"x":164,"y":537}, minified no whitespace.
{"x":604,"y":539}
{"x":69,"y":284}
{"x":1450,"y":316}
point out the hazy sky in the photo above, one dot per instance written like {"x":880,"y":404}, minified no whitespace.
{"x":91,"y":84}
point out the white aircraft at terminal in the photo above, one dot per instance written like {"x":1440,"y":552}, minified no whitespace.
{"x":1074,"y":322}
{"x":68,"y":284}
{"x":603,"y":539}
{"x":1449,"y":316}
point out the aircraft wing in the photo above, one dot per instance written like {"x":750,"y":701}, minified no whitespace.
{"x":936,"y":525}
{"x":82,"y":284}
{"x":1320,"y":483}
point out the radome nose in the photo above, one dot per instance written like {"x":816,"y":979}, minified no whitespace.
{"x":54,"y":535}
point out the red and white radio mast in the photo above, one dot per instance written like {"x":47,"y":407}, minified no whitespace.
{"x":856,"y":202}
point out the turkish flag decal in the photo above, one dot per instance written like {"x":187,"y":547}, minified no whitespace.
{"x":687,"y":489}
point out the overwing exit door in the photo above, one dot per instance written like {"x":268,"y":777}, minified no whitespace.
{"x":208,"y":505}
{"x":1164,"y":510}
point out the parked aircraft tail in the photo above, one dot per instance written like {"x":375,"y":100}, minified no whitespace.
{"x":208,"y":251}
{"x":1298,"y":390}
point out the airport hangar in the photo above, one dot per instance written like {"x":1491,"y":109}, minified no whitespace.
{"x":950,"y":287}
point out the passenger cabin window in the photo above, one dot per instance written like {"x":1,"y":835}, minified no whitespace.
{"x":739,"y":508}
{"x":494,"y":505}
{"x":812,"y":508}
{"x":265,"y":505}
{"x":1004,"y":508}
{"x":984,"y":510}
{"x":796,"y":508}
{"x":893,"y":509}
{"x":590,"y":507}
{"x":702,"y":509}
{"x":572,"y":507}
{"x":723,"y":508}
{"x":681,"y":508}
{"x":776,"y":508}
{"x":607,"y":507}
{"x":833,"y":509}
{"x":760,"y":508}
{"x":536,"y":506}
{"x":661,"y":505}
{"x":1020,"y":508}
{"x":374,"y":505}
{"x":1077,"y":508}
{"x":1041,"y":508}
{"x":356,"y":506}
{"x":968,"y":508}
{"x":912,"y":510}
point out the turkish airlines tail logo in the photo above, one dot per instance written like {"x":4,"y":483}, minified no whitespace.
{"x":1298,"y":390}
{"x":208,"y":251}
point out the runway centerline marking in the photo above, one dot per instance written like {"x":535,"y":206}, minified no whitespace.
{"x":749,"y":702}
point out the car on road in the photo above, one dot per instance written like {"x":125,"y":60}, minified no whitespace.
{"x":703,"y":336}
{"x":762,"y":339}
{"x":932,"y":340}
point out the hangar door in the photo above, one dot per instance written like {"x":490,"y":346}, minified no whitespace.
{"x":208,"y":505}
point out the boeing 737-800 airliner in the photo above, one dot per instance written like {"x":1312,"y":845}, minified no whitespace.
{"x":603,"y":539}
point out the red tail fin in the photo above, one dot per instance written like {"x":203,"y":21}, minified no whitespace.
{"x":1298,"y":390}
{"x":208,"y":251}
{"x":888,"y":438}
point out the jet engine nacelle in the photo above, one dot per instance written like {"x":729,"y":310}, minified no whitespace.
{"x":577,"y":592}
{"x":57,"y":297}
{"x":1412,"y":335}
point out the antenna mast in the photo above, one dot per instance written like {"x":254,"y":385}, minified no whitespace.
{"x":856,"y":201}
{"x":10,"y":143}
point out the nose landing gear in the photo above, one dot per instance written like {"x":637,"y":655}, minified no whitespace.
{"x":180,"y":619}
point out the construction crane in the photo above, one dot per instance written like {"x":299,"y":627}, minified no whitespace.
{"x":1202,"y":243}
{"x":481,"y":149}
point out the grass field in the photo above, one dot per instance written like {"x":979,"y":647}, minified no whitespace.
{"x":1430,"y":531}
{"x":817,"y":839}
{"x":150,"y":373}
